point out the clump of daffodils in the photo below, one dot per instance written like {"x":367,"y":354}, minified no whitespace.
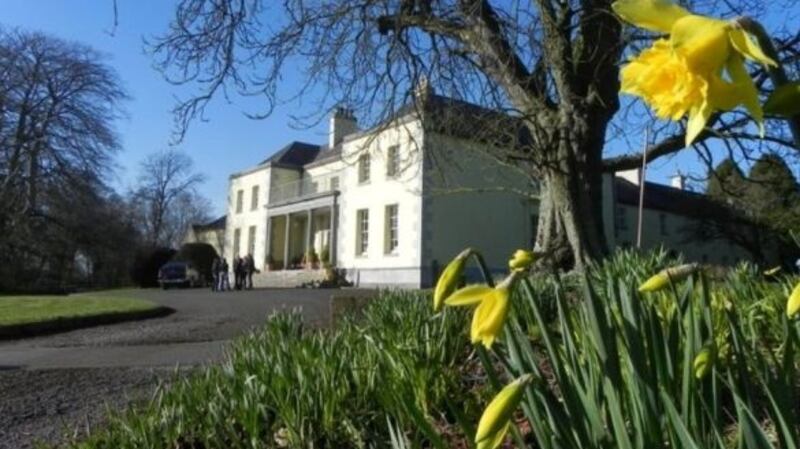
{"x":696,"y":71}
{"x":521,"y":260}
{"x":662,"y":279}
{"x":496,"y":418}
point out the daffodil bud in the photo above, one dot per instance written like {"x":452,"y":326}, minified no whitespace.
{"x":773,"y":271}
{"x":521,"y":260}
{"x":704,"y":361}
{"x":662,"y":279}
{"x":449,"y":279}
{"x":495,"y":419}
{"x":793,"y":304}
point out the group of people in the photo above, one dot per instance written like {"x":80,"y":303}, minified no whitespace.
{"x":243,"y":269}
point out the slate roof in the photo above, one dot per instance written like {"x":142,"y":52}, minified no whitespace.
{"x":219,"y":223}
{"x":295,"y":154}
{"x":669,"y":199}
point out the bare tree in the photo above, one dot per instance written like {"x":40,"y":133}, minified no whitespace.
{"x":549,"y":66}
{"x":166,"y":197}
{"x":58,"y":102}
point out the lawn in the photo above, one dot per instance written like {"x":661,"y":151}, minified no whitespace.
{"x":16,"y":310}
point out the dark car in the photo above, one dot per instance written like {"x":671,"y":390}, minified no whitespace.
{"x":180,"y":274}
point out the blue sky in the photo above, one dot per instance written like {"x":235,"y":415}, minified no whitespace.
{"x":228,"y":141}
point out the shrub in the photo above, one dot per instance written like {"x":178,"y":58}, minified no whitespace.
{"x":146,"y":264}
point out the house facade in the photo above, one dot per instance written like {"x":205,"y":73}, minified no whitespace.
{"x":391,"y":205}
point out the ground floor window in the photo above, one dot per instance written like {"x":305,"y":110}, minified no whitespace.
{"x":391,"y":238}
{"x":362,"y":232}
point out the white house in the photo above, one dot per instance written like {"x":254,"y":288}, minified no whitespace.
{"x":373,"y":203}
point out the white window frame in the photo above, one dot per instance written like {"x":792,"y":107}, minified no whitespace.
{"x":393,"y":161}
{"x":254,"y":192}
{"x":391,"y":228}
{"x":239,"y":201}
{"x":362,"y":232}
{"x":364,"y":168}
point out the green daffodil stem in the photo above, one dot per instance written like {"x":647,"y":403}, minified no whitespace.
{"x":777,"y":73}
{"x":485,"y":272}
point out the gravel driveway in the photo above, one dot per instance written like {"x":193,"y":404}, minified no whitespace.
{"x":55,"y":387}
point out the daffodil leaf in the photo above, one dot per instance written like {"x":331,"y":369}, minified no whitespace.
{"x":469,"y":295}
{"x":785,"y":100}
{"x":653,"y":15}
{"x":747,"y":46}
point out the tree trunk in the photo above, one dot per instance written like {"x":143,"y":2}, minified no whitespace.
{"x":571,"y":213}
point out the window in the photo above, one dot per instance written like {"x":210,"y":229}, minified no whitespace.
{"x":239,"y":201}
{"x":662,"y":223}
{"x":335,"y":183}
{"x":363,"y":168}
{"x":362,"y":232}
{"x":237,"y":237}
{"x":392,"y":161}
{"x":251,"y":240}
{"x":390,"y":231}
{"x":254,"y":199}
{"x":621,"y":219}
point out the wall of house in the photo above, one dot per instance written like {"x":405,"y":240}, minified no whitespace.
{"x":675,"y":234}
{"x":213,"y":237}
{"x":376,"y":267}
{"x":249,"y":216}
{"x":473,"y":201}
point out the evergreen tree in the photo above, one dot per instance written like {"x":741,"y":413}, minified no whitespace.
{"x":727,"y":183}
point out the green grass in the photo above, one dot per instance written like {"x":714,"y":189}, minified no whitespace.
{"x":15,"y":310}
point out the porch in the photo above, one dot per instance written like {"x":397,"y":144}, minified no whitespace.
{"x":302,"y":236}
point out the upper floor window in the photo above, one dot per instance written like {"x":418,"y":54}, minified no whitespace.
{"x":363,"y":168}
{"x":254,"y":198}
{"x":392,"y":161}
{"x":335,"y":183}
{"x":391,"y":231}
{"x":362,"y":232}
{"x":239,"y":201}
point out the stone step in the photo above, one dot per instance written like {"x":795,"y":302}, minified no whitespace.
{"x":287,"y":278}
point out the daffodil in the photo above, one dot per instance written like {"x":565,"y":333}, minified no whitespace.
{"x":663,"y":278}
{"x":704,"y":361}
{"x":490,"y":313}
{"x":793,"y":304}
{"x":773,"y":271}
{"x":496,"y":418}
{"x":698,"y":70}
{"x":449,"y":279}
{"x":521,"y":260}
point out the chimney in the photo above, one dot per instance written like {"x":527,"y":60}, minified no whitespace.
{"x":343,"y":122}
{"x":633,"y":175}
{"x":678,"y":181}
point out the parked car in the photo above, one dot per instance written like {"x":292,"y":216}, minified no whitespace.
{"x":180,"y":274}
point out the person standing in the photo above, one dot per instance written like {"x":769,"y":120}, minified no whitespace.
{"x":224,"y":282}
{"x":237,"y":273}
{"x":249,"y":268}
{"x":215,"y":274}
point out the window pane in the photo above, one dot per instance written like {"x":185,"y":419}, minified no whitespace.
{"x":363,"y":168}
{"x":239,"y":201}
{"x":392,"y":161}
{"x":362,"y":232}
{"x":237,"y":236}
{"x":391,"y":231}
{"x":254,"y":199}
{"x":251,"y":240}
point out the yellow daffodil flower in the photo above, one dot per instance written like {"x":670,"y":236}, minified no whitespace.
{"x":704,"y":361}
{"x":662,"y":278}
{"x":521,"y":260}
{"x":698,"y":70}
{"x":449,"y":279}
{"x":793,"y":304}
{"x":490,"y":313}
{"x":496,"y":419}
